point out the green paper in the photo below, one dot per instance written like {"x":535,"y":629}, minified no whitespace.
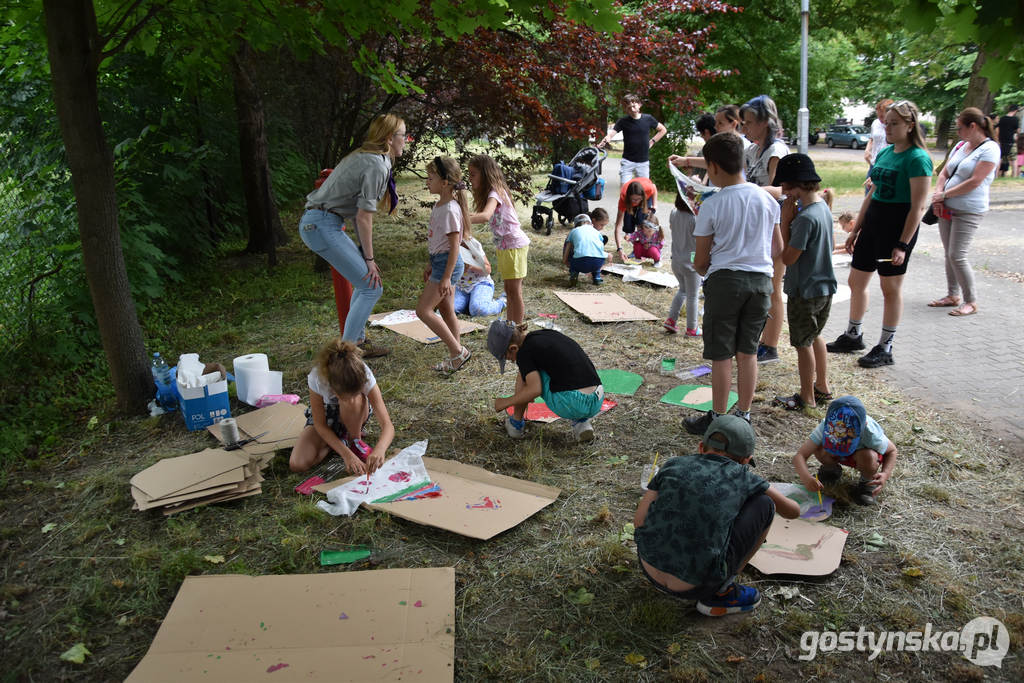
{"x":358,"y":552}
{"x":678,"y":395}
{"x":617,"y":381}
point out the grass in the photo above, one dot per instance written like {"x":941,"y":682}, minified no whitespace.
{"x":105,"y":575}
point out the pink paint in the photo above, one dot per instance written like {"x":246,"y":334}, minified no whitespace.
{"x":227,"y":647}
{"x":370,"y":657}
{"x":400,"y":476}
{"x":418,"y":603}
{"x":485,"y":504}
{"x":276,"y":667}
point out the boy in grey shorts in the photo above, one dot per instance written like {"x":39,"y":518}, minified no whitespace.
{"x":737,"y":236}
{"x":810,"y":280}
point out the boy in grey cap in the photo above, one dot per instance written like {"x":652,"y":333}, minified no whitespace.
{"x":552,"y":366}
{"x":703,"y":518}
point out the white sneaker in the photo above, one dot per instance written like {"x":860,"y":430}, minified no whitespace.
{"x":513,"y":431}
{"x":583,"y":431}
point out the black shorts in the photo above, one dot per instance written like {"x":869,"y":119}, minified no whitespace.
{"x":883,"y":226}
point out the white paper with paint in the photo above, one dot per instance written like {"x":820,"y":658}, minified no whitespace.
{"x":395,"y":318}
{"x":396,"y":474}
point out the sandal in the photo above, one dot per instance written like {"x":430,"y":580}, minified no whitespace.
{"x":945,"y":302}
{"x":448,"y":365}
{"x":966,"y":309}
{"x":822,"y":396}
{"x":793,"y":402}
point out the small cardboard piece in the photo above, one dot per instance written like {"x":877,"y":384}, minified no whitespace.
{"x":381,"y":625}
{"x":621,"y":382}
{"x":696,"y":396}
{"x":416,"y":329}
{"x":810,"y":508}
{"x":282,"y":422}
{"x":463,"y":507}
{"x":538,"y":411}
{"x":799,"y":547}
{"x":184,"y":482}
{"x":603,"y":308}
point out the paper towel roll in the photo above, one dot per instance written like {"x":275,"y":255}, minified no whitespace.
{"x":262,"y":382}
{"x":246,"y":368}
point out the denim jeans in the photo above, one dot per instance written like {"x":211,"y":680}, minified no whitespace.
{"x":478,"y":301}
{"x":323,"y":232}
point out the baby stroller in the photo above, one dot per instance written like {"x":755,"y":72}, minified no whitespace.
{"x":568,"y":189}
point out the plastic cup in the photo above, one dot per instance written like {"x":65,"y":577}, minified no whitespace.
{"x":668,"y":366}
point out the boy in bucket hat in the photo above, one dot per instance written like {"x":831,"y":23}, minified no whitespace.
{"x":703,"y":518}
{"x":552,"y":366}
{"x":848,"y":436}
{"x":810,"y":280}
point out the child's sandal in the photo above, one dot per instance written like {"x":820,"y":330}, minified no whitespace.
{"x":822,"y":396}
{"x":793,"y":402}
{"x":448,"y":365}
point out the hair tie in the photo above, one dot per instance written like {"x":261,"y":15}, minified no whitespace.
{"x":461,"y":185}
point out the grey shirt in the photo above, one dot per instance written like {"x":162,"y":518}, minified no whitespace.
{"x":358,"y":182}
{"x":812,"y":275}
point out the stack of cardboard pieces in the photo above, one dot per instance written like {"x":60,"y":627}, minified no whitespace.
{"x":210,"y":476}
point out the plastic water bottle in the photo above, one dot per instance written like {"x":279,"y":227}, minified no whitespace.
{"x":162,"y":378}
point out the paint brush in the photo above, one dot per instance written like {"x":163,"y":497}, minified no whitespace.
{"x":654,"y":467}
{"x":885,"y":260}
{"x":820,"y":504}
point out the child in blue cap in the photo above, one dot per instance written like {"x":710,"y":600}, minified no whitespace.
{"x":848,"y":437}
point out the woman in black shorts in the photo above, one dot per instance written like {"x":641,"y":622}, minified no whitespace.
{"x":886,"y":231}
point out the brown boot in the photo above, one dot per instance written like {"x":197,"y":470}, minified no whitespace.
{"x":371,"y":351}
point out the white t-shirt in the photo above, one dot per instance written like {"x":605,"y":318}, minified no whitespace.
{"x":878,"y":142}
{"x":741,"y":219}
{"x":319,"y":384}
{"x":757,"y":161}
{"x":963,"y":165}
{"x":444,"y":220}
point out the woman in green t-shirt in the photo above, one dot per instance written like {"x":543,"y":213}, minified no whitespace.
{"x":886,"y":231}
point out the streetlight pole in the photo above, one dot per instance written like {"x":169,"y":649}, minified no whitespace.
{"x":803,"y":115}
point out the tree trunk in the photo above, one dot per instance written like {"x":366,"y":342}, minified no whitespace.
{"x":978,"y":95}
{"x":73,"y":46}
{"x":265,"y":231}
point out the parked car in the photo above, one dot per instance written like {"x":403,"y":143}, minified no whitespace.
{"x":847,"y":136}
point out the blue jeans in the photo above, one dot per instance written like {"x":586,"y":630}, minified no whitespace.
{"x":478,"y":301}
{"x":324,"y":234}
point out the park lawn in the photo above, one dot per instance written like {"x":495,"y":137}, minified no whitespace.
{"x":105,"y":576}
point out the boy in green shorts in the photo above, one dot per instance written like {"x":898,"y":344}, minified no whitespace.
{"x":810,"y":280}
{"x":737,"y":235}
{"x":552,"y":366}
{"x":703,"y":518}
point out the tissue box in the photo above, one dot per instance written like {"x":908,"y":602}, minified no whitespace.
{"x":205,"y":405}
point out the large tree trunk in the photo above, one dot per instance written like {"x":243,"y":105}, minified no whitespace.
{"x":265,"y":231}
{"x":74,"y":49}
{"x":978,"y":95}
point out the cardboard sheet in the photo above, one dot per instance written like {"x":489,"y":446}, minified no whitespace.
{"x":382,"y":625}
{"x":622,"y":382}
{"x":282,"y":422}
{"x":538,"y":411}
{"x":184,"y":482}
{"x":638,"y":273}
{"x":696,"y":396}
{"x":603,"y":308}
{"x":415,"y":329}
{"x":474,"y":502}
{"x":810,"y":508}
{"x":799,"y":547}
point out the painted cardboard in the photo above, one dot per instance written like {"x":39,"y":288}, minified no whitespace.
{"x":640,"y":274}
{"x":603,"y":308}
{"x":696,"y":396}
{"x":810,"y":508}
{"x":463,"y":506}
{"x":799,"y":547}
{"x":538,"y":411}
{"x":415,"y":329}
{"x":282,"y":422}
{"x":381,"y":625}
{"x":623,"y":382}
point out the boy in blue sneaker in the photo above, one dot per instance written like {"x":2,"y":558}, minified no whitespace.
{"x":848,"y":437}
{"x":552,"y":366}
{"x":737,"y":236}
{"x":703,"y":518}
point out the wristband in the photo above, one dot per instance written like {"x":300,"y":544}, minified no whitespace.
{"x":903,"y":246}
{"x":367,"y":259}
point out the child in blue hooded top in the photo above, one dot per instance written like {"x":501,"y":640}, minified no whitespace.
{"x":848,"y":437}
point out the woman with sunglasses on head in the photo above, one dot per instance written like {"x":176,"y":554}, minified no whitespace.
{"x":960,"y":199}
{"x":886,"y":231}
{"x":350,"y":196}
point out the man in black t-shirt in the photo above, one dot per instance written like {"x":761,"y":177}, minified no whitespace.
{"x":636,"y":137}
{"x":551,"y":366}
{"x":1008,"y":126}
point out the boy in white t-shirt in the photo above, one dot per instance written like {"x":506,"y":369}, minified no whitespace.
{"x":737,"y":234}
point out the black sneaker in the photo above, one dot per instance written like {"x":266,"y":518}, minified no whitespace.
{"x":829,"y":475}
{"x":767,"y":354}
{"x":864,"y":494}
{"x":846,"y":344}
{"x":698,"y":424}
{"x":875,"y":358}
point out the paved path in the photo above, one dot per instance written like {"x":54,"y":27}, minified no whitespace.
{"x":972,"y":366}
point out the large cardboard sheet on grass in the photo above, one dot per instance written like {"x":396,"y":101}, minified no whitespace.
{"x":382,"y":625}
{"x":603,"y":308}
{"x":799,"y":547}
{"x":473,"y":502}
{"x":415,"y":329}
{"x":282,"y":422}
